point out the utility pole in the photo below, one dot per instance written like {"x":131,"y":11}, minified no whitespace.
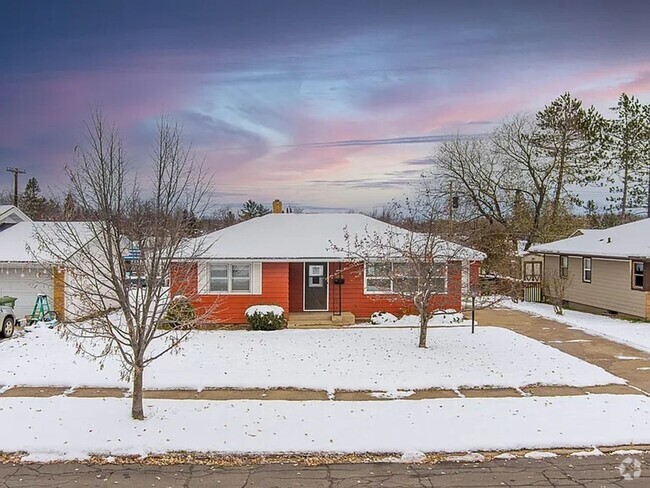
{"x":16,"y":172}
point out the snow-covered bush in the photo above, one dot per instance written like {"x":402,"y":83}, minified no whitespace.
{"x":266,"y":317}
{"x":439,"y":317}
{"x":180,"y":311}
{"x":381,"y":318}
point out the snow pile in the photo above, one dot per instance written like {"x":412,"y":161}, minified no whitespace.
{"x":635,"y":334}
{"x":412,"y":457}
{"x":508,"y":456}
{"x":264,"y":309}
{"x":371,"y":359}
{"x":382,"y":318}
{"x":470,"y":457}
{"x":65,"y":428}
{"x":539,"y":455}
{"x":594,"y":452}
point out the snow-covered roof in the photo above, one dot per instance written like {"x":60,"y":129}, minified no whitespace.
{"x":19,"y":243}
{"x":12,"y":215}
{"x":301,"y":237}
{"x":630,"y":240}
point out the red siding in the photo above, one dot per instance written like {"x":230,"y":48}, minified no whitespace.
{"x":282,"y":284}
{"x":229,"y":309}
{"x":362,"y":306}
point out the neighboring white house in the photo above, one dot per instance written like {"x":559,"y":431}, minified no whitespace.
{"x":10,"y":215}
{"x":24,"y":271}
{"x":604,"y":269}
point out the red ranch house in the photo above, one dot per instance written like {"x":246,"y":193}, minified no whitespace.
{"x":290,"y":260}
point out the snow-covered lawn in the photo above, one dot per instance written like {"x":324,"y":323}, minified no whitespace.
{"x":59,"y":428}
{"x":348,"y":359}
{"x":635,"y":334}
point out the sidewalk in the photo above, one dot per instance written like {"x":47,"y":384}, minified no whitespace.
{"x":227,"y":394}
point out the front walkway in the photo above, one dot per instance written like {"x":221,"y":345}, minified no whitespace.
{"x":616,"y":358}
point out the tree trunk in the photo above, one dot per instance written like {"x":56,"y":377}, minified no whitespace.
{"x":558,"y":189}
{"x":626,"y":178}
{"x":423,"y":330}
{"x":137,"y":410}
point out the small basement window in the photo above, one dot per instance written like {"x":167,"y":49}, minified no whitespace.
{"x":637,"y":275}
{"x":564,"y":266}
{"x":586,"y":270}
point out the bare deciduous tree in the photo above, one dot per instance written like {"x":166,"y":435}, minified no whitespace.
{"x":555,"y":287}
{"x":413,"y":266}
{"x":503,"y":178}
{"x":115,"y":267}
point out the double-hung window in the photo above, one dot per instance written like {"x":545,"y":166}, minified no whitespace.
{"x":564,"y":266}
{"x":230,"y":278}
{"x":400,"y":278}
{"x":586,"y":270}
{"x":379,"y":278}
{"x":638,"y":281}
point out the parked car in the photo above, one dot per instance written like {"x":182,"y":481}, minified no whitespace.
{"x":7,"y":321}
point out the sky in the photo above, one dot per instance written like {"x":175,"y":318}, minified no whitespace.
{"x":329,"y":104}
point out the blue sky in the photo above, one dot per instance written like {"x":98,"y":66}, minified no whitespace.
{"x":327,"y":104}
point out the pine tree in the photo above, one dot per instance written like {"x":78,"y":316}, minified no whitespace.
{"x":569,"y":135}
{"x":70,"y":211}
{"x":31,"y":201}
{"x":252,"y":209}
{"x":628,"y":154}
{"x":190,"y":224}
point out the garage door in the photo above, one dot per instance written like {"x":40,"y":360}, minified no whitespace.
{"x":24,"y":284}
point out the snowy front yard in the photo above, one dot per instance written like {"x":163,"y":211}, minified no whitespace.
{"x":344,"y":359}
{"x":68,"y":428}
{"x":635,"y":334}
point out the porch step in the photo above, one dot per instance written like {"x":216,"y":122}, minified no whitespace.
{"x":319,"y":319}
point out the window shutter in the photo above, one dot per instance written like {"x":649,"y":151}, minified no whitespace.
{"x":256,"y":285}
{"x":202,"y":277}
{"x":646,"y":276}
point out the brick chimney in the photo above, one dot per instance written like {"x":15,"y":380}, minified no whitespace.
{"x":277,"y":206}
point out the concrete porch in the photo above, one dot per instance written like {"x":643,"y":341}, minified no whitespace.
{"x":297,"y":320}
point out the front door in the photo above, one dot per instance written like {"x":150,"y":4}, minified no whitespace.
{"x":315,"y":287}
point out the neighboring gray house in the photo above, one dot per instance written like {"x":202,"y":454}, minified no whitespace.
{"x":606,"y":269}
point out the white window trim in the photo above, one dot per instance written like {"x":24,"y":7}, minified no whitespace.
{"x":392,"y":292}
{"x":255,"y":283}
{"x":564,"y":275}
{"x":585,"y":269}
{"x":634,"y":275}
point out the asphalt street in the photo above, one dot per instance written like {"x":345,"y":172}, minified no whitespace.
{"x":602,"y":471}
